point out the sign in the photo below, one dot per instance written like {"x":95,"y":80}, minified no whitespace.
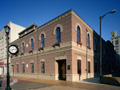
{"x":60,"y":54}
{"x":1,"y":63}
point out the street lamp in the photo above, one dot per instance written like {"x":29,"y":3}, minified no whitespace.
{"x":7,"y":31}
{"x":101,"y":17}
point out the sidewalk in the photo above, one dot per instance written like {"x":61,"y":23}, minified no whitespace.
{"x":23,"y":83}
{"x":84,"y":86}
{"x":91,"y":80}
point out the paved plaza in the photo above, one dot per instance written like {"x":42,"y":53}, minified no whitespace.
{"x":20,"y":83}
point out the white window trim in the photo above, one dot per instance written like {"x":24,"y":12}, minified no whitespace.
{"x":58,"y":25}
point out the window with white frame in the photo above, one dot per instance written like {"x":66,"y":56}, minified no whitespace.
{"x":42,"y":41}
{"x":23,"y":68}
{"x":32,"y":67}
{"x":78,"y":34}
{"x":42,"y":67}
{"x":23,"y":47}
{"x":79,"y":66}
{"x":58,"y":35}
{"x":17,"y":68}
{"x":88,"y":66}
{"x":88,"y":40}
{"x":32,"y":44}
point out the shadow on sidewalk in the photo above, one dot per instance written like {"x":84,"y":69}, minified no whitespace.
{"x":91,"y":80}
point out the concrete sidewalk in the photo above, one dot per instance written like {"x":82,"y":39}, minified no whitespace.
{"x":72,"y":85}
{"x":59,"y":88}
{"x":22,"y":83}
{"x":90,"y":80}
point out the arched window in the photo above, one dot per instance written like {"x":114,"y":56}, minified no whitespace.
{"x":58,"y":35}
{"x":32,"y":44}
{"x":42,"y":40}
{"x":78,"y":34}
{"x":88,"y":40}
{"x":23,"y":47}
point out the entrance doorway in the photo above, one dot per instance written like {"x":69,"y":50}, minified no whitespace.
{"x":62,"y":69}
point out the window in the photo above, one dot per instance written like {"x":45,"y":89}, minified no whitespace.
{"x":116,"y":42}
{"x":32,"y":67}
{"x":95,"y":68}
{"x":23,"y":47}
{"x":42,"y":40}
{"x":17,"y":68}
{"x":3,"y":69}
{"x":88,"y":40}
{"x":88,"y":66}
{"x":23,"y":68}
{"x":78,"y":34}
{"x":104,"y":47}
{"x":117,"y":51}
{"x":58,"y":35}
{"x":79,"y":66}
{"x":95,"y":44}
{"x":112,"y":42}
{"x":104,"y":67}
{"x":32,"y":44}
{"x":42,"y":67}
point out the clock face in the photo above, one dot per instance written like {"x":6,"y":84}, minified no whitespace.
{"x":13,"y":49}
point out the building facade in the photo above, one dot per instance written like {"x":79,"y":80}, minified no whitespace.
{"x":12,"y":36}
{"x":65,"y":48}
{"x":115,"y":39}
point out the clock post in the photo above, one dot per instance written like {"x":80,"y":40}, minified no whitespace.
{"x":7,"y":31}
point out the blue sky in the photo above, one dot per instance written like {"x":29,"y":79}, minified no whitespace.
{"x":26,"y":12}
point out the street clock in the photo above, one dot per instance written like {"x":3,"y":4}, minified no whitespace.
{"x":13,"y":49}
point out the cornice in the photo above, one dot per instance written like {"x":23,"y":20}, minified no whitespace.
{"x":56,"y":19}
{"x":70,"y":12}
{"x":81,"y":20}
{"x":48,"y":23}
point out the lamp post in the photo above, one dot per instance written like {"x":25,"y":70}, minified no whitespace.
{"x":101,"y":17}
{"x":7,"y":31}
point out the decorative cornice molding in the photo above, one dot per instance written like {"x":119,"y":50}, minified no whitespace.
{"x":56,"y":19}
{"x":81,"y":20}
{"x":70,"y":12}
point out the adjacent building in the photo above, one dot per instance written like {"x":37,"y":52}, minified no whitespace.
{"x":15,"y":29}
{"x":65,"y":48}
{"x":115,"y":39}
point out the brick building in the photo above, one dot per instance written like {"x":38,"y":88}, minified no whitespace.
{"x":61,"y":49}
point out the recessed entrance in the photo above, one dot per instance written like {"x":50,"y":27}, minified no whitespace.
{"x":62,"y":69}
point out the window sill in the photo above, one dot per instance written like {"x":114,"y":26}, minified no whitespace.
{"x":79,"y":43}
{"x":16,"y":55}
{"x":56,"y":44}
{"x":42,"y":48}
{"x":88,"y":47}
{"x":31,"y":51}
{"x":22,"y":54}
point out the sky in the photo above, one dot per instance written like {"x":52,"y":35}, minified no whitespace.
{"x":27,"y":12}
